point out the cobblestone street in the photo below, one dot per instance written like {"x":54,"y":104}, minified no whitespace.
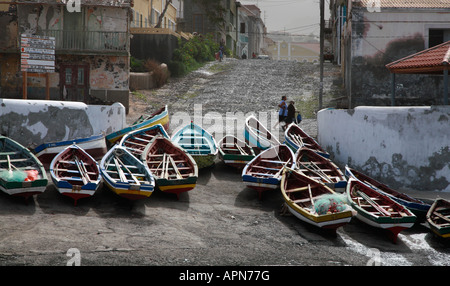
{"x":245,"y":86}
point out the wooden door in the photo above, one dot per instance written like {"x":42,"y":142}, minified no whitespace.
{"x":75,"y":82}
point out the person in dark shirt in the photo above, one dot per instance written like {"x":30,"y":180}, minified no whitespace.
{"x":290,"y":113}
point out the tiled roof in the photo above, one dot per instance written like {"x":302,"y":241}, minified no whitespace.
{"x":434,"y":4}
{"x":431,"y":60}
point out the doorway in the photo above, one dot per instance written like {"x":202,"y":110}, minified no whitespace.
{"x":75,"y":83}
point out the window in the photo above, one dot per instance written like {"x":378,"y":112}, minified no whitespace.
{"x":438,"y":36}
{"x":80,"y":76}
{"x":68,"y":76}
{"x":242,"y":29}
{"x":198,"y":24}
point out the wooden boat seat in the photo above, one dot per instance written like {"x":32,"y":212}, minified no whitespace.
{"x":273,"y":161}
{"x":71,"y":179}
{"x":15,"y":160}
{"x":297,"y":189}
{"x":9,"y":153}
{"x":441,"y":216}
{"x":200,"y":148}
{"x":74,"y":171}
{"x":136,"y":143}
{"x":158,"y":162}
{"x":266,"y":168}
{"x":160,"y":155}
{"x":261,"y":174}
{"x":302,"y":201}
{"x":198,"y":152}
{"x":230,"y":149}
{"x":171,"y":169}
{"x":126,"y":173}
{"x":72,"y":162}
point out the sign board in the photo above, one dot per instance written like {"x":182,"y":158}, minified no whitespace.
{"x":37,"y":54}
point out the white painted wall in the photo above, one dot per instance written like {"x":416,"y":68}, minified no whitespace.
{"x":33,"y":122}
{"x":391,"y":25}
{"x":405,"y":147}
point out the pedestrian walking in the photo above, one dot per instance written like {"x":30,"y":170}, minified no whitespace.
{"x":290,"y":113}
{"x":282,"y":113}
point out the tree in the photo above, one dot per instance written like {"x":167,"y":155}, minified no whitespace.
{"x":161,"y":17}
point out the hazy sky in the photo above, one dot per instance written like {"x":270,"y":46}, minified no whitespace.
{"x":300,"y":17}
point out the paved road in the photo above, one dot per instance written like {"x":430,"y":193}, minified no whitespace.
{"x":220,"y":222}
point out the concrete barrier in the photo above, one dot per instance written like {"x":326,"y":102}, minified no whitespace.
{"x":141,"y":80}
{"x":404,"y":147}
{"x":33,"y":122}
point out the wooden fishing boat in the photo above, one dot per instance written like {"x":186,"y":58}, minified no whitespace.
{"x":319,"y":168}
{"x":75,"y":173}
{"x":313,"y":202}
{"x":377,"y":209}
{"x":160,"y":116}
{"x":438,"y":217}
{"x":94,"y":145}
{"x":264,"y":171}
{"x":21,"y":172}
{"x":257,"y":135}
{"x":296,"y":138}
{"x":234,"y":152}
{"x":126,"y":175}
{"x":418,"y":207}
{"x":136,"y":141}
{"x":174,"y":170}
{"x":198,"y":142}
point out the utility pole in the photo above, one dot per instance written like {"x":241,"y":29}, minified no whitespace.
{"x":322,"y":42}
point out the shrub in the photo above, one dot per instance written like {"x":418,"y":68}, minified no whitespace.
{"x":136,"y":65}
{"x":159,"y":74}
{"x":177,"y":68}
{"x":191,"y":54}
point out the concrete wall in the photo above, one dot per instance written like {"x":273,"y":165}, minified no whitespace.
{"x":404,"y":147}
{"x":141,"y":80}
{"x":33,"y":122}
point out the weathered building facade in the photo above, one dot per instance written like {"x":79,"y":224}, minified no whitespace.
{"x":218,"y":18}
{"x":370,"y":34}
{"x":91,"y":49}
{"x":251,"y":30}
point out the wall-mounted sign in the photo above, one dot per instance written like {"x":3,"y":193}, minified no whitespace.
{"x":37,"y":54}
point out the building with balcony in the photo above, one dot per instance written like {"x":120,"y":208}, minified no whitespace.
{"x":218,"y":18}
{"x":149,"y":41}
{"x":251,"y":31}
{"x":91,"y":50}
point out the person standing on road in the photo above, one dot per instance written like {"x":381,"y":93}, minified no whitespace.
{"x":290,"y":113}
{"x":283,"y":110}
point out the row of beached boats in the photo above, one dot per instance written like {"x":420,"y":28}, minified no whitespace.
{"x":134,"y":161}
{"x":316,"y":191}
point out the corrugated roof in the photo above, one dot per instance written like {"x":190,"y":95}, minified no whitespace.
{"x":432,"y":60}
{"x":433,"y":4}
